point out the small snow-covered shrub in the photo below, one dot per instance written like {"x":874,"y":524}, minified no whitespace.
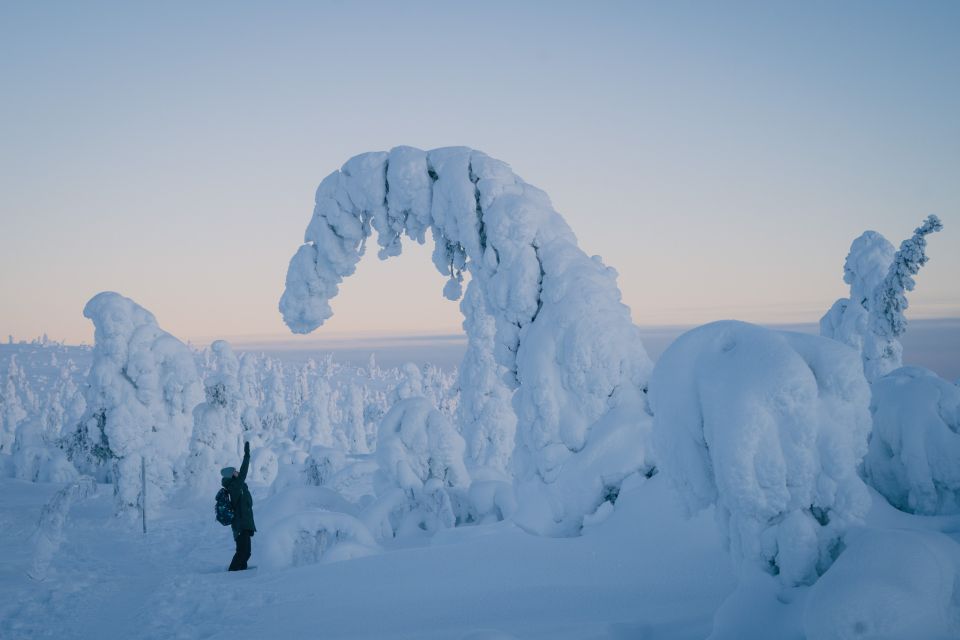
{"x":315,"y":536}
{"x":888,"y":584}
{"x":49,"y":532}
{"x":35,"y":460}
{"x":322,"y":464}
{"x":914,"y":453}
{"x":264,"y":466}
{"x":420,"y":457}
{"x":770,"y":428}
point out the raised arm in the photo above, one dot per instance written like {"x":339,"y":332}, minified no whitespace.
{"x":246,"y":462}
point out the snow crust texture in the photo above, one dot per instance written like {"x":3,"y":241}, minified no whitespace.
{"x":565,"y":341}
{"x":914,"y":454}
{"x":769,"y":427}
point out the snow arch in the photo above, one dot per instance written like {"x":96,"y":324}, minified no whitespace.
{"x":564,"y":340}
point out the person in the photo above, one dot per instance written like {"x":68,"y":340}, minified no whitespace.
{"x":242,"y":502}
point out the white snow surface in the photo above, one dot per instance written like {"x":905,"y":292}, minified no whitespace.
{"x":562,"y":334}
{"x":769,"y":427}
{"x":914,"y":453}
{"x":623,"y":579}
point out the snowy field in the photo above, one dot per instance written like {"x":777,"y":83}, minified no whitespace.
{"x":563,"y":480}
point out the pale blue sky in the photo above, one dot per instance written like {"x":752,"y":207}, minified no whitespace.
{"x":722,"y":156}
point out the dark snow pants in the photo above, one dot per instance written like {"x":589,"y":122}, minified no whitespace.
{"x":239,"y":562}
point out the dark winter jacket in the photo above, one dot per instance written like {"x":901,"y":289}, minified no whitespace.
{"x":240,"y":498}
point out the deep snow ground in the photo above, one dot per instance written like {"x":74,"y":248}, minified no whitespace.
{"x":647,"y":572}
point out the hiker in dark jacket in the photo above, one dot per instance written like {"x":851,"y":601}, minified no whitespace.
{"x":242,"y":503}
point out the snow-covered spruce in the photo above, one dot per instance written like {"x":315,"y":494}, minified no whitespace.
{"x":485,"y":413}
{"x":562,"y":334}
{"x":769,"y":427}
{"x":143,"y":386}
{"x":871,"y":319}
{"x":889,"y":298}
{"x":914,"y":453}
{"x":217,"y":432}
{"x":421,"y":477}
{"x":12,"y":410}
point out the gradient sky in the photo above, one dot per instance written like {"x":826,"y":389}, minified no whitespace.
{"x":722,"y":156}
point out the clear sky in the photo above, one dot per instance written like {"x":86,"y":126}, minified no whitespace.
{"x":722,"y":156}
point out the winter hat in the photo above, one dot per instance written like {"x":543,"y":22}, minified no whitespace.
{"x":227,"y":472}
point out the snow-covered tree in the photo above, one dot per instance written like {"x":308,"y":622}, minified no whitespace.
{"x":273,"y":411}
{"x":217,"y":432}
{"x":889,"y":298}
{"x":313,"y":427}
{"x":143,"y":386}
{"x":410,"y":385}
{"x":421,"y":471}
{"x":354,"y":423}
{"x":12,"y":411}
{"x":562,"y":334}
{"x":485,"y":414}
{"x":871,"y":319}
{"x":769,"y":427}
{"x":914,"y":453}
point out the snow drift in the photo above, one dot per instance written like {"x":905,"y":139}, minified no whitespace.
{"x":769,"y":427}
{"x":565,"y":340}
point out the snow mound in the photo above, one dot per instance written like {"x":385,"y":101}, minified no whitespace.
{"x":769,"y":427}
{"x":914,"y":453}
{"x":315,"y":536}
{"x":888,"y":584}
{"x":562,"y":338}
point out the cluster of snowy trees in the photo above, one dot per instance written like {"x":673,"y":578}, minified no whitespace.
{"x":555,"y":403}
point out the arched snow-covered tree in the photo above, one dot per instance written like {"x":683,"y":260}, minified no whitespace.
{"x":562,"y":334}
{"x":217,"y":432}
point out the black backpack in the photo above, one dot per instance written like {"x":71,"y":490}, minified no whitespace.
{"x":224,"y":509}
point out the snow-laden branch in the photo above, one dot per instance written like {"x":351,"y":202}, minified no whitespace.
{"x":564,"y":338}
{"x":889,"y":299}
